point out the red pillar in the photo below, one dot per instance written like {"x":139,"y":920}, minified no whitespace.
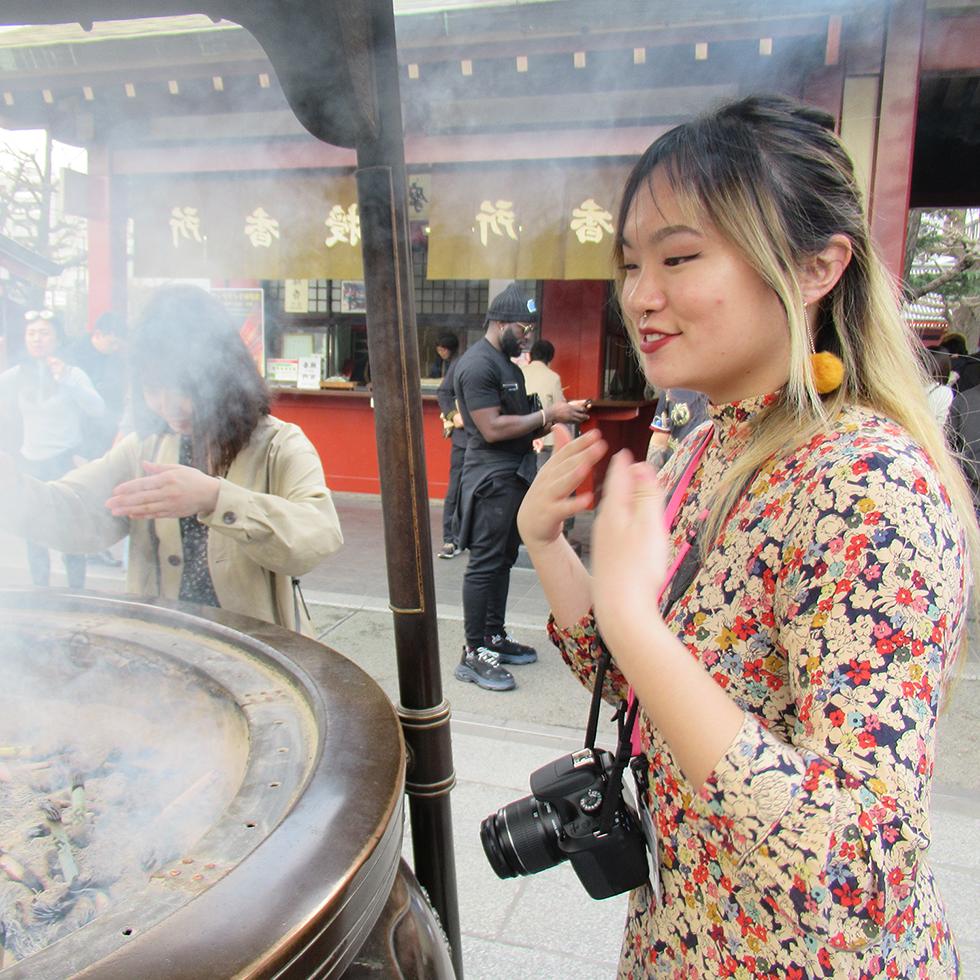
{"x":572,"y":319}
{"x":106,"y":237}
{"x":892,"y":181}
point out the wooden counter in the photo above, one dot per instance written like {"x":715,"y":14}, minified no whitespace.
{"x":624,"y":425}
{"x":340,"y":424}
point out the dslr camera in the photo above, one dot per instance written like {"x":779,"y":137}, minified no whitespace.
{"x":576,"y":811}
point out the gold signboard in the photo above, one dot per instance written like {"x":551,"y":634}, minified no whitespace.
{"x":531,"y":220}
{"x":524,"y":221}
{"x":295,"y":227}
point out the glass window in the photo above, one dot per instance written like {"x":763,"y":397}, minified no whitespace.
{"x":622,"y":376}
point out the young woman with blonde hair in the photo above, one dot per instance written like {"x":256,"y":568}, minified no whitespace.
{"x":790,"y":675}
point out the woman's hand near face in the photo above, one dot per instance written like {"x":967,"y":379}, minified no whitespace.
{"x":169,"y":490}
{"x":629,"y":550}
{"x":549,"y":501}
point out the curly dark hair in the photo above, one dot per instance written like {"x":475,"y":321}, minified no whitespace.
{"x":185,"y":340}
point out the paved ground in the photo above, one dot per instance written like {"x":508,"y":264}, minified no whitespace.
{"x":509,"y":927}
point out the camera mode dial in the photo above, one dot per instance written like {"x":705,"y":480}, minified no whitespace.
{"x":591,"y":801}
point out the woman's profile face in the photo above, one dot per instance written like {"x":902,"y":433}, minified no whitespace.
{"x":40,"y":339}
{"x":705,"y":319}
{"x":172,"y":405}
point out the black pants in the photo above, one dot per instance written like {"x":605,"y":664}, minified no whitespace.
{"x":37,"y":555}
{"x":450,"y":509}
{"x":493,"y":542}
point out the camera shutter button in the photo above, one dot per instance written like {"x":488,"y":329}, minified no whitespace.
{"x":591,"y":801}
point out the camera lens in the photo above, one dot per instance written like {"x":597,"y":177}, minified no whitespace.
{"x":522,"y":838}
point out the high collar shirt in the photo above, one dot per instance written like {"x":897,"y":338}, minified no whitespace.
{"x":830,"y":609}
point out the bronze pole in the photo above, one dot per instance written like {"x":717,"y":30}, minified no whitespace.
{"x":337,"y":64}
{"x":395,"y":374}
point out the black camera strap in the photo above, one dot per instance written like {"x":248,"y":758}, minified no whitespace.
{"x":625,"y":719}
{"x":602,"y":665}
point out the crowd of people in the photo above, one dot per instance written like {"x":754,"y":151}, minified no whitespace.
{"x":783,"y":593}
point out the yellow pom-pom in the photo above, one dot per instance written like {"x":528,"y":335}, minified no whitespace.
{"x":828,"y":371}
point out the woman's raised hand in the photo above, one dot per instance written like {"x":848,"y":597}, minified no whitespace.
{"x":629,"y":550}
{"x":169,"y":490}
{"x":549,"y":501}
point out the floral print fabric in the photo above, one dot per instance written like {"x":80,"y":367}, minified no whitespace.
{"x":195,"y":579}
{"x":830,"y":610}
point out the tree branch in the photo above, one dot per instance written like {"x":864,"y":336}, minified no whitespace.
{"x":934,"y":285}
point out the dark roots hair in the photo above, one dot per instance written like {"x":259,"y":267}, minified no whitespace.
{"x":185,"y":340}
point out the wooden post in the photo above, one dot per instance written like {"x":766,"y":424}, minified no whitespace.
{"x":395,"y":374}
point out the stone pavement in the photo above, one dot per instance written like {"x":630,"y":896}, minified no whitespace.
{"x":545,"y":927}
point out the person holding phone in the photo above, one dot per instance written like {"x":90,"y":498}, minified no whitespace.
{"x":500,"y":424}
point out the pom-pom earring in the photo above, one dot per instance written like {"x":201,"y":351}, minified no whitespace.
{"x":828,"y":372}
{"x":827,"y":369}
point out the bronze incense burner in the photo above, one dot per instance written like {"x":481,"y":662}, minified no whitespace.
{"x":189,"y":793}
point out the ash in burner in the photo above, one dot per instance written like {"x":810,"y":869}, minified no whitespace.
{"x":114,"y":761}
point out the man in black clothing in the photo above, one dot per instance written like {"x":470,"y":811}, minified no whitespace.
{"x":500,"y":425}
{"x":447,"y":347}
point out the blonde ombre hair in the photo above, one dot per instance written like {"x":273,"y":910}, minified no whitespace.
{"x":770,"y":175}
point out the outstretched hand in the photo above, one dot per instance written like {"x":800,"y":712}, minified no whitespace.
{"x":629,"y":550}
{"x":169,"y":490}
{"x":549,"y":501}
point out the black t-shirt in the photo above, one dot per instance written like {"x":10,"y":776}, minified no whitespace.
{"x":486,"y":378}
{"x":446,"y":396}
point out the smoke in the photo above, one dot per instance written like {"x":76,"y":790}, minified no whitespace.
{"x":113,"y":762}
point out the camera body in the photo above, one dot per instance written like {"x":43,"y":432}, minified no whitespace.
{"x":560,"y":821}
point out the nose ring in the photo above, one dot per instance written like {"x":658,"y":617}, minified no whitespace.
{"x":643,"y":319}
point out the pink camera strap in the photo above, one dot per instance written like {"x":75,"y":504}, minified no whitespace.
{"x":670,"y":515}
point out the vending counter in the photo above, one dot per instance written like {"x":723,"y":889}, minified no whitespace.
{"x":340,"y":424}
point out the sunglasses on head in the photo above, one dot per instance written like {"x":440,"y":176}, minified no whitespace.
{"x":39,"y":315}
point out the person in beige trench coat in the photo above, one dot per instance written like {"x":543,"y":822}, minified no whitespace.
{"x":206,"y":464}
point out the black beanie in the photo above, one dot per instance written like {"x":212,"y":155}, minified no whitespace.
{"x":511,"y":306}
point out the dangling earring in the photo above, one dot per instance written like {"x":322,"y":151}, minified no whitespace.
{"x":827,"y":369}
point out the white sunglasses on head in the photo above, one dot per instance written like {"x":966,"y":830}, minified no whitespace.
{"x":39,"y":315}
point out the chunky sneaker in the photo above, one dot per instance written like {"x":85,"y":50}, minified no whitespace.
{"x":449,"y":550}
{"x":509,"y":650}
{"x":482,"y":667}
